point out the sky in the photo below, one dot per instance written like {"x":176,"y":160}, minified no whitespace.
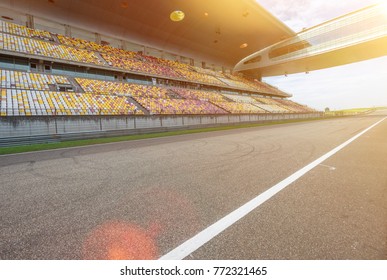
{"x":355,"y":85}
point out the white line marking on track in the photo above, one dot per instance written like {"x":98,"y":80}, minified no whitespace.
{"x":213,"y":230}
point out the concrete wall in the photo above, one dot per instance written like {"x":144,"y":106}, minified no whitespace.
{"x":13,"y":129}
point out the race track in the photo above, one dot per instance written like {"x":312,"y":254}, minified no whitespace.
{"x":142,"y":199}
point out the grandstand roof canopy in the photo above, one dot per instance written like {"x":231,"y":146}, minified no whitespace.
{"x":218,"y":31}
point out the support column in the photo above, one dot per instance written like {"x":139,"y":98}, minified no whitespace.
{"x":30,"y":21}
{"x":123,"y":44}
{"x":98,"y":38}
{"x":67,"y":30}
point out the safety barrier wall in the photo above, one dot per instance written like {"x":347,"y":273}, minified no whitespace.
{"x":28,"y":130}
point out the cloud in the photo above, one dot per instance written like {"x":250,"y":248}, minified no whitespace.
{"x":299,"y":14}
{"x":354,"y":85}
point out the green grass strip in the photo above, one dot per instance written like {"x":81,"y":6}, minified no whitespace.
{"x":85,"y":142}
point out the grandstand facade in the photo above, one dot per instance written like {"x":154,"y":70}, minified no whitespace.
{"x":55,"y":86}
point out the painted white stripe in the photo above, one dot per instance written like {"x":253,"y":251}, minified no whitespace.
{"x":213,"y":230}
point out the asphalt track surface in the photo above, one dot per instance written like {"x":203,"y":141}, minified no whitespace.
{"x":141,"y":199}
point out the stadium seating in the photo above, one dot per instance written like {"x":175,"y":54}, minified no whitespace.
{"x":3,"y":102}
{"x":24,"y":93}
{"x":263,"y":100}
{"x":135,"y":65}
{"x":236,"y":84}
{"x":287,"y":105}
{"x":199,"y":77}
{"x":200,"y":94}
{"x":17,"y":102}
{"x":84,"y":44}
{"x":11,"y":28}
{"x":24,"y":80}
{"x":252,"y":84}
{"x":240,"y":98}
{"x":157,"y":100}
{"x":48,"y":49}
{"x":178,"y":106}
{"x":79,"y":50}
{"x":241,"y":81}
{"x":107,"y":87}
{"x":271,"y":108}
{"x":29,"y":94}
{"x":239,"y":108}
{"x":294,"y":107}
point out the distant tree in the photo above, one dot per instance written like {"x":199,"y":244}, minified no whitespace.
{"x":327,"y":109}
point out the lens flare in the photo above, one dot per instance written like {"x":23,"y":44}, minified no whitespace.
{"x":119,"y":241}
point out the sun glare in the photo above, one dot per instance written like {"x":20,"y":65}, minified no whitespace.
{"x":383,"y":5}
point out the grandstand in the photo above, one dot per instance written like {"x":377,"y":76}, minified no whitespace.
{"x":132,"y":83}
{"x":82,"y":79}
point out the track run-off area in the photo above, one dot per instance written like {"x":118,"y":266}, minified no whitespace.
{"x":308,"y":190}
